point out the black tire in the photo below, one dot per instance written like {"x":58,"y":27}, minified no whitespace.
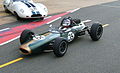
{"x":96,"y":31}
{"x":42,"y":18}
{"x":60,"y":47}
{"x":26,"y":35}
{"x":6,"y":10}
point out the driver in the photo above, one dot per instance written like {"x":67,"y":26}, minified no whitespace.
{"x":69,"y":23}
{"x":66,"y":23}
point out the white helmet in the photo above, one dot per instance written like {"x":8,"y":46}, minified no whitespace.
{"x":66,"y":22}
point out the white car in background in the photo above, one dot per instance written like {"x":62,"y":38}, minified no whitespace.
{"x":25,"y":9}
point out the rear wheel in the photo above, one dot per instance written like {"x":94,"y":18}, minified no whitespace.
{"x":96,"y":31}
{"x":26,"y":35}
{"x":60,"y":47}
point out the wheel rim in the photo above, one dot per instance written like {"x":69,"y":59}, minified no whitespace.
{"x":99,"y":32}
{"x":63,"y":47}
{"x":70,"y":36}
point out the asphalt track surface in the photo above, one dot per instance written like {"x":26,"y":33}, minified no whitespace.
{"x":83,"y":55}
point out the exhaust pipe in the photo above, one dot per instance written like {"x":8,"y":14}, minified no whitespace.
{"x":25,"y":51}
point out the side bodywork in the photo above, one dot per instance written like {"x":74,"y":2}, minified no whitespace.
{"x":38,"y":44}
{"x":57,"y":39}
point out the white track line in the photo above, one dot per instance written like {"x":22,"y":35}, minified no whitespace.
{"x":111,"y":6}
{"x":54,"y":20}
{"x":9,"y":41}
{"x":75,"y":10}
{"x":4,"y":29}
{"x":71,"y":11}
{"x":48,"y":17}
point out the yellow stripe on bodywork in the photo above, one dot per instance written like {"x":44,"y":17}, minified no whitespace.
{"x":46,"y":34}
{"x":105,"y":25}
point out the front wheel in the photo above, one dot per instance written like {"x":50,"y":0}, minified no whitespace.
{"x":6,"y":10}
{"x":26,"y":35}
{"x":96,"y":31}
{"x":60,"y":47}
{"x":71,"y":36}
{"x":42,"y":18}
{"x":17,"y":16}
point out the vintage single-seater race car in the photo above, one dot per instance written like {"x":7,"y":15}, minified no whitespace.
{"x":25,"y":9}
{"x":58,"y":38}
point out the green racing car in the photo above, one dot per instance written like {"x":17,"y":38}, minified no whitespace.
{"x":57,"y":39}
